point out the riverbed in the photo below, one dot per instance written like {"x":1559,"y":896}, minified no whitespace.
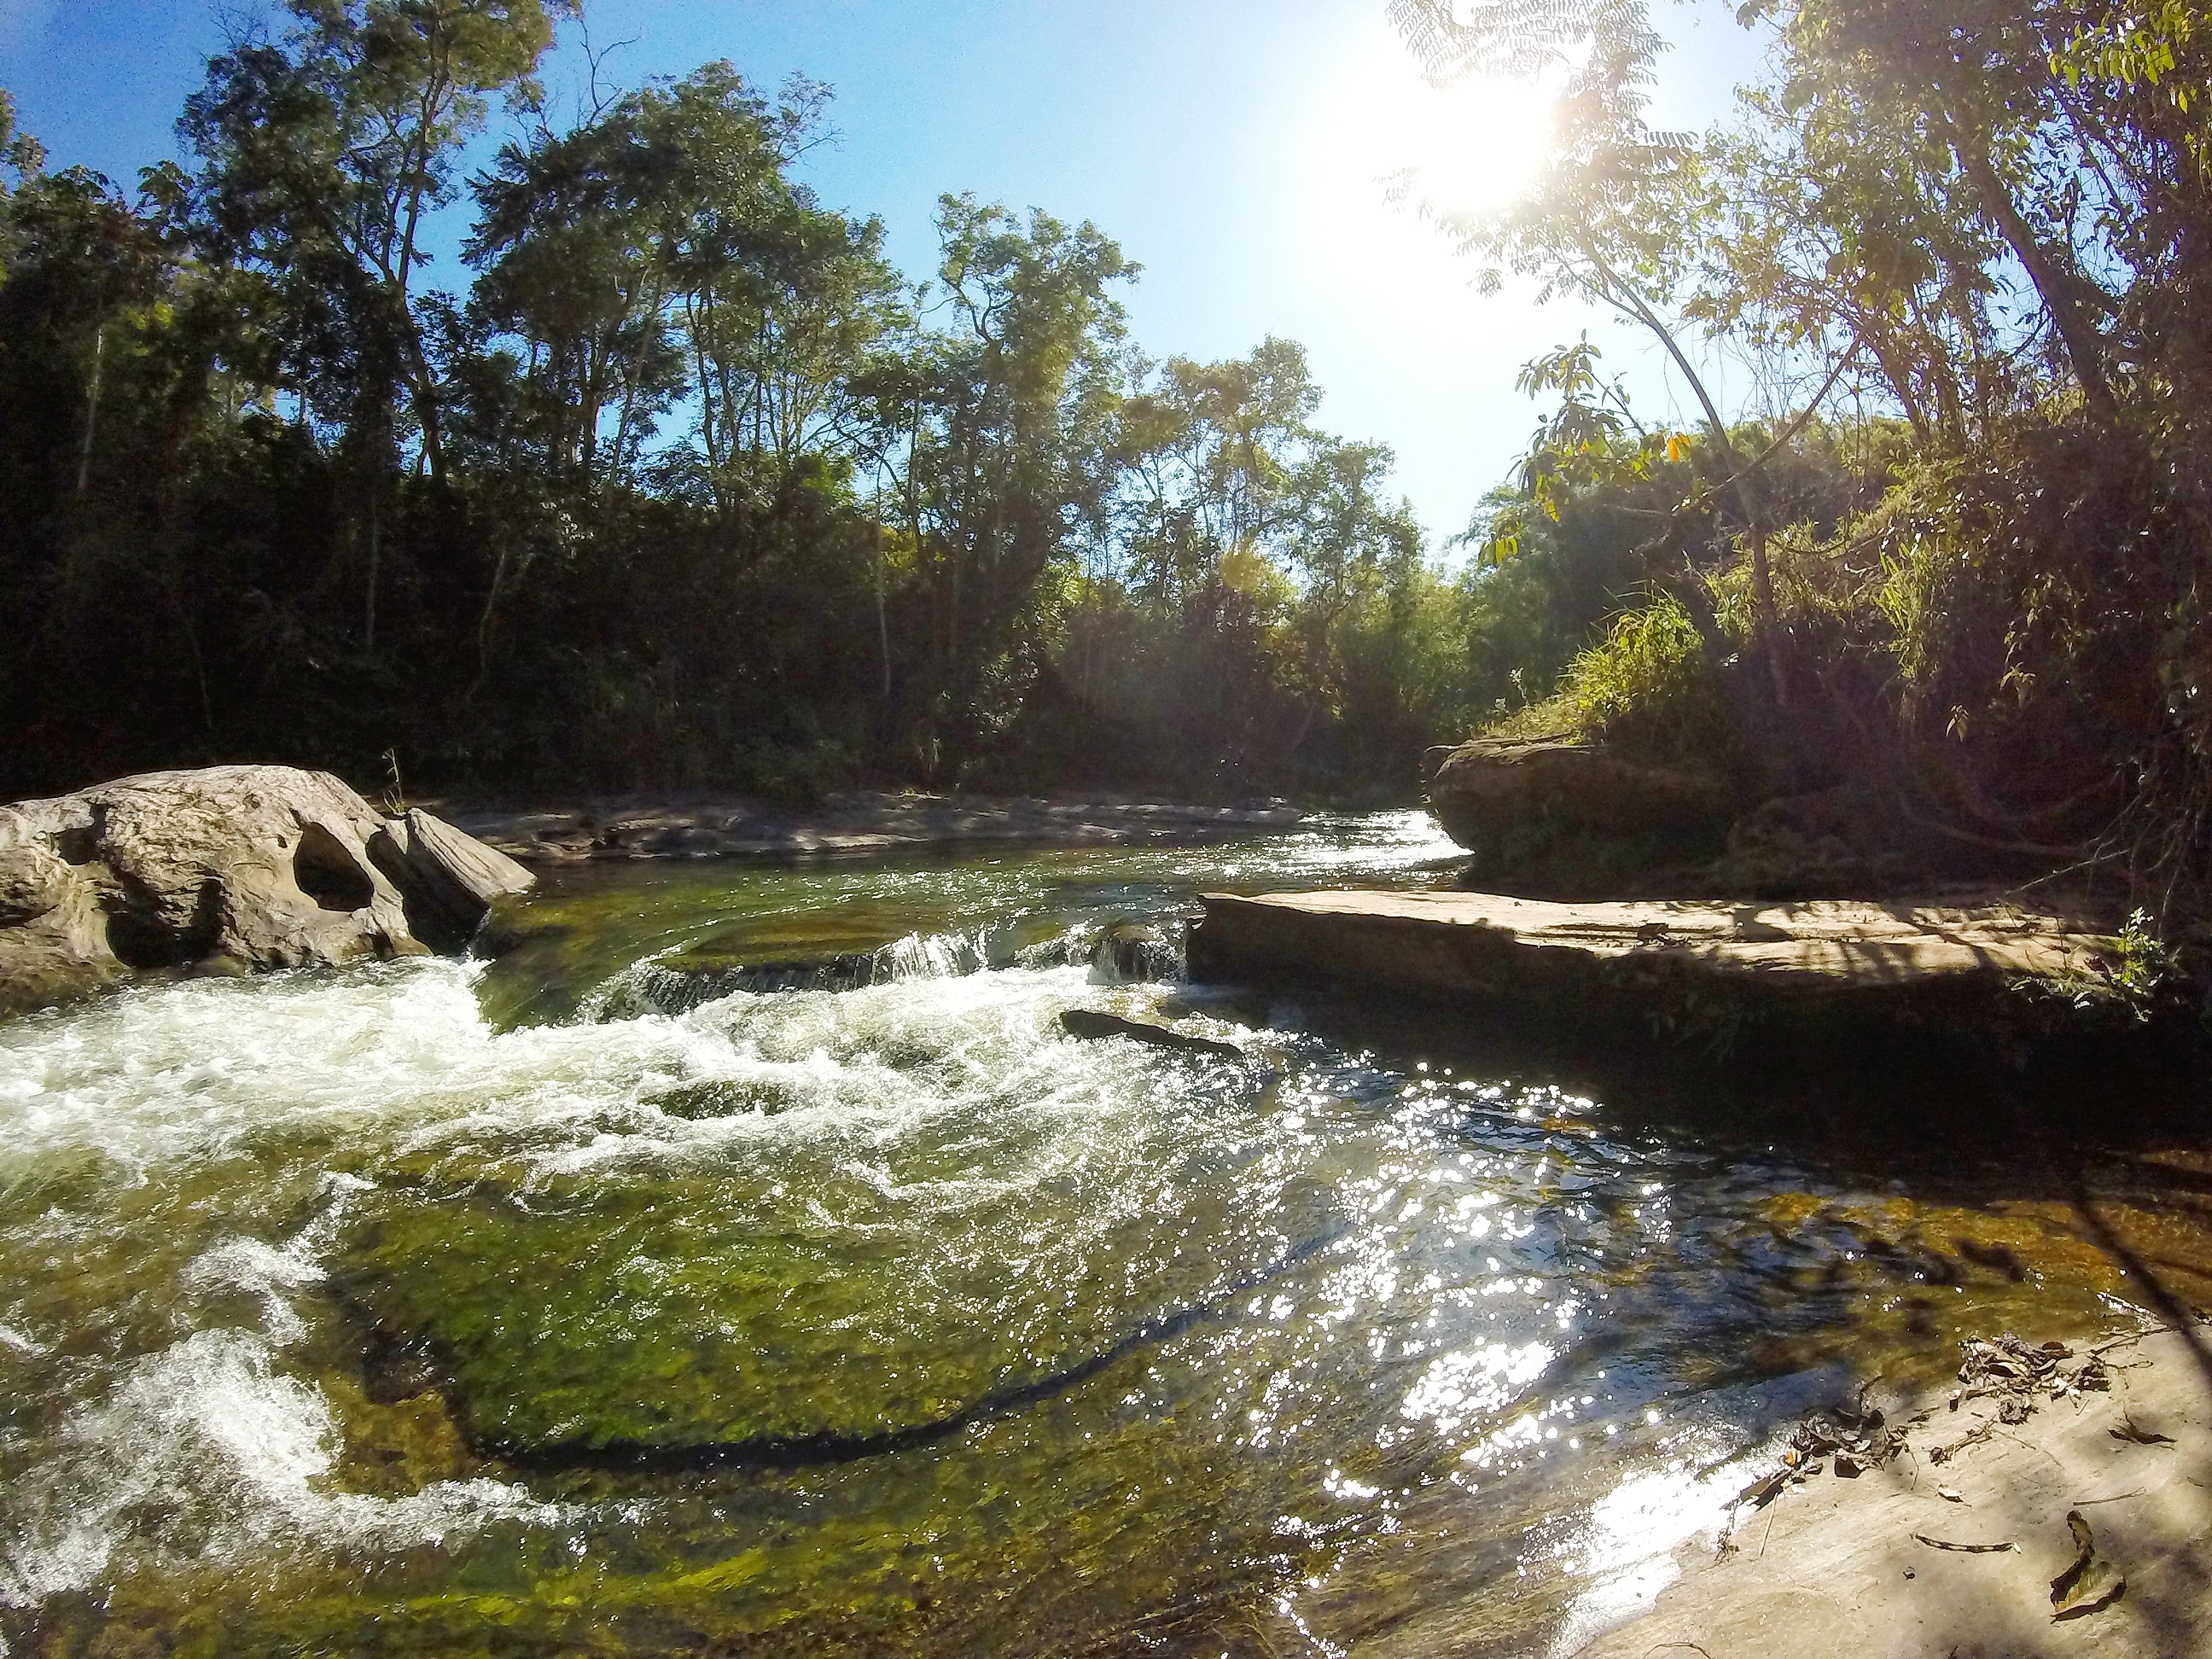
{"x":744,"y":1260}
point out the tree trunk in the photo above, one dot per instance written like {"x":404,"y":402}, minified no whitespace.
{"x":2059,"y":289}
{"x":375,"y":526}
{"x":91,"y":411}
{"x":1762,"y":580}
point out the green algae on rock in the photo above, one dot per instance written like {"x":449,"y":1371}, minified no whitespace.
{"x":711,"y":1317}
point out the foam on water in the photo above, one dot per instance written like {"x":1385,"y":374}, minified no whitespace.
{"x":262,"y":1086}
{"x":206,"y":1449}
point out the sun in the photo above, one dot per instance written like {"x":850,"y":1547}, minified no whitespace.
{"x":1477,"y":145}
{"x":1469,"y":148}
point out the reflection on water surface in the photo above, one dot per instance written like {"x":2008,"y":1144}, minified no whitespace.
{"x":456,"y":1308}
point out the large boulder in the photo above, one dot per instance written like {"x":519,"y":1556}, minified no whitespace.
{"x":1567,"y":816}
{"x":227,"y":869}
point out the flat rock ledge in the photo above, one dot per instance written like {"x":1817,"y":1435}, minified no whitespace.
{"x":1661,"y":967}
{"x":227,"y":869}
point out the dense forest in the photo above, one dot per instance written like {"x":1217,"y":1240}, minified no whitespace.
{"x":690,"y":486}
{"x":1955,"y":580}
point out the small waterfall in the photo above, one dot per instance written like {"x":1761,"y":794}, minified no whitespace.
{"x":1119,"y":950}
{"x":932,"y":955}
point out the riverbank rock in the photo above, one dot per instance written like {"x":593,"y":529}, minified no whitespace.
{"x":1573,"y":816}
{"x":227,"y":869}
{"x":1966,"y":1546}
{"x":1687,"y":972}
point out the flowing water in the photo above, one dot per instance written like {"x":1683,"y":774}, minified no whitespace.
{"x":746,"y":1261}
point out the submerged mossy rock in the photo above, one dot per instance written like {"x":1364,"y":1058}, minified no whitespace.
{"x":225,"y":869}
{"x":650,"y":1321}
{"x":822,"y":949}
{"x":1574,"y":816}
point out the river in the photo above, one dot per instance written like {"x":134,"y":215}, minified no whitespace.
{"x":640,"y":1292}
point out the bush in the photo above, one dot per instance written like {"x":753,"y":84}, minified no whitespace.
{"x":1649,"y":684}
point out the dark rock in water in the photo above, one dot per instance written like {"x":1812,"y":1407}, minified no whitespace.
{"x":1567,"y":816}
{"x":1088,"y":1023}
{"x":227,"y":869}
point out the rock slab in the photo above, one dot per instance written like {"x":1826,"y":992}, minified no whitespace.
{"x":1844,"y":1567}
{"x":1639,"y":962}
{"x":225,"y":869}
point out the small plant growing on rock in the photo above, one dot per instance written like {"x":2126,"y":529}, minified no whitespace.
{"x":2136,"y":977}
{"x":1650,"y":685}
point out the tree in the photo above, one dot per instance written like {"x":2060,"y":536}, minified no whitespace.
{"x":1617,"y":210}
{"x":686,"y":488}
{"x":1007,"y":445}
{"x":662,"y":252}
{"x":320,"y":157}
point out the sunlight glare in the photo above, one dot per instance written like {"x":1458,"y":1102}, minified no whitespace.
{"x":1477,"y":145}
{"x":1471,"y":147}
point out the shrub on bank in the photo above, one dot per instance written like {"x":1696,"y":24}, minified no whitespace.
{"x":1651,"y":685}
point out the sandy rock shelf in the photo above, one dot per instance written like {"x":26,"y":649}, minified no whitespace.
{"x":1838,"y":1566}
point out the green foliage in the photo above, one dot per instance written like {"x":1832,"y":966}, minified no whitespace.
{"x":2137,"y":979}
{"x":1978,"y":227}
{"x":2141,"y":963}
{"x":687,"y":487}
{"x":1650,"y":685}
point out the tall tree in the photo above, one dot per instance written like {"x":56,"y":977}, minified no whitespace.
{"x":1008,"y":444}
{"x":1617,"y":210}
{"x":321,"y":155}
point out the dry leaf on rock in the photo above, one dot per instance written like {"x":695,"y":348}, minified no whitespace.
{"x":2091,"y":1581}
{"x":2131,"y":1430}
{"x":1763,"y":1488}
{"x":1964,"y":1549}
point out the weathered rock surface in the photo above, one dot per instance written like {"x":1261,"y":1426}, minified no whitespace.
{"x":225,"y":869}
{"x":1534,"y":803}
{"x":1698,"y":967}
{"x":1846,"y":1566}
{"x":449,"y":878}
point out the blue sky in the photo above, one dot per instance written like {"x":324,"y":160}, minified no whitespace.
{"x":1235,"y":148}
